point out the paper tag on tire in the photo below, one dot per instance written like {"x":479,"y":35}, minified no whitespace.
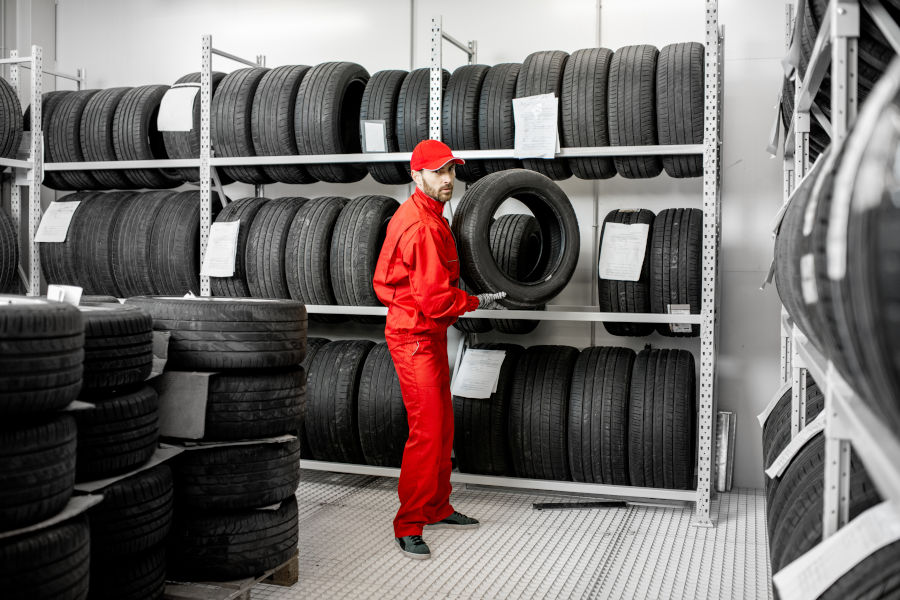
{"x":55,"y":223}
{"x":176,"y":110}
{"x":221,"y":249}
{"x":679,"y":309}
{"x":622,"y":251}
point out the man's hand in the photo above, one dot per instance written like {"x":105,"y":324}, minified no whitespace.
{"x":490,"y":300}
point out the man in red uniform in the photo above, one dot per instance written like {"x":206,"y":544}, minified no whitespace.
{"x":416,"y":278}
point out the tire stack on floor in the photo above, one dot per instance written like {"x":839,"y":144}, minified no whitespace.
{"x":129,"y":243}
{"x":602,"y":415}
{"x":119,"y":436}
{"x":41,"y":354}
{"x":254,"y":347}
{"x":354,"y":410}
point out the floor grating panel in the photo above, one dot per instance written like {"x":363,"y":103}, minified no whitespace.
{"x":347,"y":548}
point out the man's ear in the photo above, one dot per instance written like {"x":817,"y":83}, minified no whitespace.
{"x":416,"y":177}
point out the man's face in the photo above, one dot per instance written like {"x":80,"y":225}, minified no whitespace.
{"x":437,"y":184}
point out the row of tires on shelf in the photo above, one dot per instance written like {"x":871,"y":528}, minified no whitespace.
{"x":794,"y":502}
{"x":9,"y":254}
{"x":102,"y":353}
{"x":874,"y":54}
{"x":602,"y":415}
{"x":637,"y":95}
{"x":837,"y":253}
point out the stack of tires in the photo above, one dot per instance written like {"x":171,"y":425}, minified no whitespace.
{"x":129,"y":243}
{"x":10,"y":123}
{"x":354,"y":411}
{"x":119,"y":437}
{"x":41,"y":355}
{"x":255,"y":394}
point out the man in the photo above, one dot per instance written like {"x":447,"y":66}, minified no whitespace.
{"x":416,"y":278}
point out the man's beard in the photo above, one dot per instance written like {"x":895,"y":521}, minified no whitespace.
{"x":435,"y":192}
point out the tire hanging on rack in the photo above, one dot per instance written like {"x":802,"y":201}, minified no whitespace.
{"x":326,"y":118}
{"x":98,"y":133}
{"x":136,"y":137}
{"x":9,"y":254}
{"x":58,"y":259}
{"x":680,"y":89}
{"x":459,"y":117}
{"x":413,"y":107}
{"x":49,"y":102}
{"x":132,"y":253}
{"x":95,"y":239}
{"x":481,"y":425}
{"x":617,"y":295}
{"x":584,"y":113}
{"x":379,"y":103}
{"x":676,"y":252}
{"x":244,"y":211}
{"x":383,"y":427}
{"x":10,"y":123}
{"x":63,"y":140}
{"x":632,"y":108}
{"x":266,"y":244}
{"x":175,"y":244}
{"x":273,"y":121}
{"x":517,"y":247}
{"x":313,"y":345}
{"x":542,"y":73}
{"x":496,"y":126}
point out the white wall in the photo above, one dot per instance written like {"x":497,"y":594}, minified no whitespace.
{"x":156,"y":41}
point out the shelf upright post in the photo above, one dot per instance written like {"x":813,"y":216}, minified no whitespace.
{"x":259,"y":190}
{"x":15,"y":196}
{"x":788,"y":188}
{"x":711,"y":228}
{"x":436,"y":88}
{"x":205,"y":187}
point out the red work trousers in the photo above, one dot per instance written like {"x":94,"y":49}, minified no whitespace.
{"x":424,"y":486}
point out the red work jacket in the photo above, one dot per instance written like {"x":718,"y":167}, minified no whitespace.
{"x":417,"y":273}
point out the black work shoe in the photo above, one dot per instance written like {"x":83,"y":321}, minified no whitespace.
{"x":455,"y":521}
{"x":413,"y":546}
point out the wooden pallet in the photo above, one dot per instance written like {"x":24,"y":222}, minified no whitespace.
{"x":285,"y":574}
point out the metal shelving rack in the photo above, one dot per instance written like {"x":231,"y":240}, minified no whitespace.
{"x":708,"y":319}
{"x":849,"y":423}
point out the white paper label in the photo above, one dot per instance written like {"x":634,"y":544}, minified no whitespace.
{"x":221,"y":249}
{"x":55,"y":223}
{"x":70,"y":294}
{"x":679,"y":309}
{"x":374,"y":138}
{"x":808,"y":279}
{"x":176,"y":111}
{"x":622,"y":251}
{"x":764,"y":415}
{"x":536,"y":120}
{"x":791,"y":450}
{"x":478,"y":373}
{"x":813,"y":573}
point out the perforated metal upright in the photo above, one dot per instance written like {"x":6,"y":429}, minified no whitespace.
{"x":205,"y":153}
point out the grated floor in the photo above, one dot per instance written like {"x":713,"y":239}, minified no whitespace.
{"x":347,"y":548}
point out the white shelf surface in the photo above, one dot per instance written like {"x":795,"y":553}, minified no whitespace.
{"x":16,"y":164}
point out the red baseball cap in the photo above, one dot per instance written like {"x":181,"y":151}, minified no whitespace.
{"x":432,"y":155}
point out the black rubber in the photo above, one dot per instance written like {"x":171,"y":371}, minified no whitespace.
{"x":584,"y":112}
{"x":186,"y":144}
{"x":313,"y":345}
{"x":9,"y":254}
{"x":383,"y":428}
{"x":95,"y":230}
{"x":58,"y":259}
{"x":355,"y":245}
{"x":516,"y":246}
{"x":542,"y":73}
{"x":231,"y":122}
{"x":10,"y":123}
{"x":676,"y":252}
{"x":538,"y":412}
{"x":133,"y":252}
{"x":63,"y":140}
{"x":135,"y":136}
{"x":332,"y":392}
{"x":459,"y":117}
{"x":232,"y":545}
{"x":326,"y":118}
{"x":49,"y":102}
{"x":469,"y":325}
{"x":777,"y":428}
{"x":254,"y":404}
{"x":496,"y":125}
{"x":679,"y":104}
{"x":662,"y":417}
{"x":118,"y":345}
{"x":48,"y":564}
{"x":598,"y":416}
{"x":413,"y":107}
{"x":97,"y":135}
{"x":140,"y":576}
{"x":272,"y":125}
{"x":876,"y":577}
{"x":264,"y":254}
{"x":41,"y":354}
{"x":118,"y":434}
{"x":175,"y":244}
{"x":245,"y":211}
{"x":628,"y":296}
{"x":209,"y":334}
{"x":632,"y":108}
{"x":135,"y":515}
{"x":481,"y":425}
{"x":379,"y":103}
{"x":307,"y":262}
{"x":37,"y":470}
{"x":559,"y":233}
{"x":237,"y":477}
